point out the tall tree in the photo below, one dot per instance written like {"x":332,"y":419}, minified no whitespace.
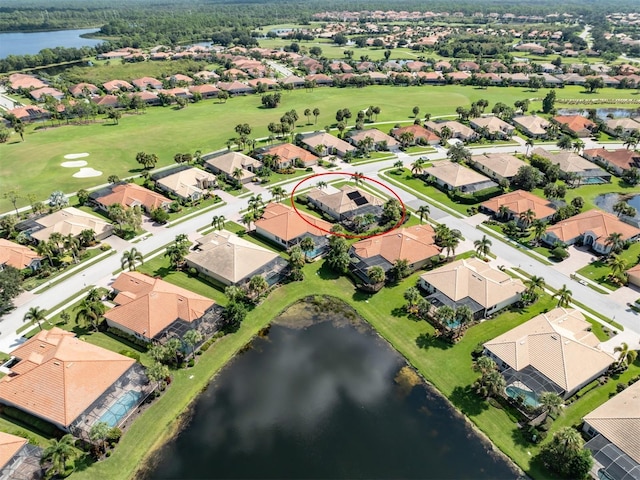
{"x":191,"y":338}
{"x":36,"y":315}
{"x":59,"y":452}
{"x":564,"y":296}
{"x":483,"y":246}
{"x":130,"y":258}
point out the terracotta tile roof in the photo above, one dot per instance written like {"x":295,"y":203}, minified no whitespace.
{"x":475,"y":279}
{"x":269,"y":82}
{"x":575,"y":123}
{"x":493,"y":124}
{"x":341,"y":202}
{"x":558,"y":344}
{"x":418,"y":132}
{"x":16,"y":255}
{"x":502,"y":164}
{"x":414,"y":244}
{"x":283,"y":222}
{"x":9,"y":446}
{"x":145,"y":82}
{"x":455,"y":174}
{"x":234,"y":86}
{"x":20,"y":80}
{"x":376,"y":135}
{"x":39,"y":93}
{"x":108,"y":100}
{"x":229,"y":256}
{"x":602,"y":224}
{"x":622,"y":158}
{"x":293,"y":79}
{"x":148,"y":305}
{"x":520,"y":201}
{"x":290,"y":152}
{"x":205,"y":89}
{"x":70,"y":221}
{"x":28,"y":111}
{"x":78,"y":88}
{"x":618,"y":420}
{"x":115,"y":85}
{"x":131,"y":194}
{"x":60,"y":376}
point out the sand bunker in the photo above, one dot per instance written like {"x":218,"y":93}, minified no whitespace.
{"x":73,"y":156}
{"x":76,"y":164}
{"x":87,"y":172}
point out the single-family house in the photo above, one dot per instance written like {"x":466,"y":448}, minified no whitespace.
{"x":186,"y":183}
{"x":294,"y":80}
{"x":457,"y":129}
{"x":625,"y":126}
{"x":128,"y":195}
{"x":532,"y":125}
{"x":498,"y":166}
{"x":18,"y":256}
{"x":612,"y":427}
{"x":633,"y":275}
{"x":473,"y":283}
{"x":454,"y":176}
{"x":289,"y":155}
{"x":344,"y":203}
{"x":267,"y":83}
{"x":518,"y":202}
{"x":153,"y":310}
{"x":84,"y":89}
{"x":235,"y":88}
{"x":493,"y":126}
{"x":330,"y":145}
{"x":107,"y":101}
{"x":39,"y":94}
{"x":572,"y":164}
{"x":147,"y":82}
{"x":235,"y":166}
{"x":287,"y":227}
{"x":231,"y":260}
{"x":18,"y":81}
{"x":576,"y":125}
{"x":415,"y":244}
{"x":116,"y":86}
{"x":591,"y":228}
{"x":553,"y":352}
{"x":71,"y":383}
{"x":19,"y":459}
{"x":616,"y":160}
{"x":205,"y":90}
{"x":30,"y":113}
{"x":421,"y":136}
{"x":379,"y":138}
{"x":68,"y":221}
{"x":179,"y":78}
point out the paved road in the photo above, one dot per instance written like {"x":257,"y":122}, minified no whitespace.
{"x":281,"y":69}
{"x":101,"y":273}
{"x":7,"y":103}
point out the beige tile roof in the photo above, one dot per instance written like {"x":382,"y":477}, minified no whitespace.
{"x":376,"y":135}
{"x":228,"y":162}
{"x":520,"y":201}
{"x":454,"y":174}
{"x":185,"y":182}
{"x":625,"y":123}
{"x":557,"y":344}
{"x":567,"y":161}
{"x":618,"y":420}
{"x":9,"y":446}
{"x":290,"y":152}
{"x":60,"y":376}
{"x":414,"y":244}
{"x":602,"y":224}
{"x":532,"y":123}
{"x":493,"y":124}
{"x":230,"y":256}
{"x":475,"y":279}
{"x":502,"y":164}
{"x":130,"y":195}
{"x":148,"y":305}
{"x":283,"y":222}
{"x":327,"y":140}
{"x":16,"y":255}
{"x":457,"y":128}
{"x":339,"y":202}
{"x":70,"y":221}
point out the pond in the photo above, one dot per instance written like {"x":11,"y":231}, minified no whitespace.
{"x":608,"y":200}
{"x":32,"y":42}
{"x":602,"y":113}
{"x":322,"y":396}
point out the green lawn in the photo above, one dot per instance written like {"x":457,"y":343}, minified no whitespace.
{"x":33,"y":166}
{"x":599,"y":271}
{"x":85,"y":260}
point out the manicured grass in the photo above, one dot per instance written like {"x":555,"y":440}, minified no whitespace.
{"x":599,"y":271}
{"x":85,"y":261}
{"x":33,"y":166}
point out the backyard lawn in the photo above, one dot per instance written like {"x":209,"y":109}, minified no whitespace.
{"x":33,"y":166}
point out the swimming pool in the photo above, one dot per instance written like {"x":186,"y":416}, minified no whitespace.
{"x":119,"y":409}
{"x":529,"y":397}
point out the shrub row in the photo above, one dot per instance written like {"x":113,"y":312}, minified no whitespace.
{"x":127,"y":336}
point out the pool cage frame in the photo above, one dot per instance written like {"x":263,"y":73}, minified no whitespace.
{"x":134,"y":379}
{"x":615,"y":464}
{"x":24,"y":465}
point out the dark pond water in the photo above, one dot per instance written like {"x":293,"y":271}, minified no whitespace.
{"x":324,"y":399}
{"x":602,"y":113}
{"x":32,"y":42}
{"x":608,"y":200}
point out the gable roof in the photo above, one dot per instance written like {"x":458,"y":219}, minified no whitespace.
{"x":414,"y":244}
{"x":602,"y":224}
{"x":131,"y":194}
{"x":59,"y":376}
{"x":70,"y":221}
{"x":148,"y":305}
{"x":376,"y":135}
{"x":285,"y":223}
{"x":341,"y":201}
{"x":230,"y":256}
{"x":558,"y":344}
{"x":502,"y":164}
{"x":475,"y":279}
{"x":455,"y":174}
{"x":520,"y":201}
{"x":16,"y":255}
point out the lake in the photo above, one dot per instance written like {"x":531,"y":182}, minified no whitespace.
{"x":321,"y":396}
{"x":32,"y":42}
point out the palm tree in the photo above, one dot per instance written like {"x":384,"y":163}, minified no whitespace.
{"x":173,"y":347}
{"x":578,"y":145}
{"x":534,"y":284}
{"x":257,"y":286}
{"x":564,"y":296}
{"x":130,"y":258}
{"x":45,"y":249}
{"x":358,"y":178}
{"x":217,"y":222}
{"x":490,"y":385}
{"x":464,"y":315}
{"x":539,"y":227}
{"x":618,"y":266}
{"x":191,"y":338}
{"x":157,"y":372}
{"x":376,"y":275}
{"x":529,"y":143}
{"x":526,"y":218}
{"x":176,"y":253}
{"x":484,"y":365}
{"x":307,"y":245}
{"x":99,"y":433}
{"x":424,"y":212}
{"x":296,"y":258}
{"x":412,"y":296}
{"x":551,"y":401}
{"x":401,"y":268}
{"x":72,"y":244}
{"x":615,"y":241}
{"x":626,"y":355}
{"x":90,"y":312}
{"x":503,"y":212}
{"x":237,"y":175}
{"x":417,"y":167}
{"x":446,"y":316}
{"x":59,"y":452}
{"x":321,"y":185}
{"x":247,"y":218}
{"x":483,"y":246}
{"x":568,"y":439}
{"x":255,"y":205}
{"x":278,"y":193}
{"x":36,"y":315}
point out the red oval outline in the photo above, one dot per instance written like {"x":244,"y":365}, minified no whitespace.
{"x":347,"y":235}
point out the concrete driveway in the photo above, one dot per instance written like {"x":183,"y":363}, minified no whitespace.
{"x":578,"y":258}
